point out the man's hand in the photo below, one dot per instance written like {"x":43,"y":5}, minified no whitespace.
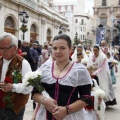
{"x":6,"y":87}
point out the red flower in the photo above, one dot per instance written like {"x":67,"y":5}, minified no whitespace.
{"x":7,"y":80}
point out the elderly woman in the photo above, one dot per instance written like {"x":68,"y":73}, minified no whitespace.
{"x":99,"y":61}
{"x":63,"y":80}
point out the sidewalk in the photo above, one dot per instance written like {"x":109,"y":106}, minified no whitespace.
{"x":113,"y":112}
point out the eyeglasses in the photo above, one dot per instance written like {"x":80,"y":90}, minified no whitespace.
{"x":5,"y":49}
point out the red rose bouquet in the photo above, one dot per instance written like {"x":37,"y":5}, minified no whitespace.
{"x":7,"y":99}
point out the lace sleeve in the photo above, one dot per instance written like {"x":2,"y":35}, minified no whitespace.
{"x":85,"y":94}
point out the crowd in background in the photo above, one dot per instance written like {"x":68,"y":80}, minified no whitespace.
{"x":99,"y":61}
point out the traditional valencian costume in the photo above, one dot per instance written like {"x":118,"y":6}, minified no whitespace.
{"x":98,"y":110}
{"x":111,"y":67}
{"x":103,"y":74}
{"x":65,"y":90}
{"x":74,"y":56}
{"x":13,"y":71}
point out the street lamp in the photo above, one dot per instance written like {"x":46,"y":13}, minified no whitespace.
{"x":76,"y":40}
{"x":24,"y":19}
{"x":60,"y":30}
{"x":85,"y":43}
{"x":90,"y":42}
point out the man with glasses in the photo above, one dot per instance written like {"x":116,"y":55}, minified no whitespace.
{"x":13,"y":94}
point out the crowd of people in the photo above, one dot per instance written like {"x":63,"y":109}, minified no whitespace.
{"x":78,"y":80}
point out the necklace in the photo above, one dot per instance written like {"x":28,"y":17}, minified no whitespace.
{"x":63,"y":67}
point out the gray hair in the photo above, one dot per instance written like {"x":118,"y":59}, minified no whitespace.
{"x":14,"y":40}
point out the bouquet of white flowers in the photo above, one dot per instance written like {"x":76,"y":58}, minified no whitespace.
{"x":115,"y":61}
{"x":100,"y":94}
{"x":34,"y":79}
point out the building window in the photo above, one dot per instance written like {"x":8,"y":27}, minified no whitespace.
{"x":103,"y":2}
{"x":83,"y":37}
{"x":103,"y":21}
{"x":9,"y":22}
{"x":69,"y":8}
{"x":82,"y":22}
{"x":33,"y":29}
{"x":76,"y":20}
{"x":63,"y":9}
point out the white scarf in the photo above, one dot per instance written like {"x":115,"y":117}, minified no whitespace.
{"x":74,"y":56}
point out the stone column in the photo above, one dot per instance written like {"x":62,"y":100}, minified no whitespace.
{"x":43,"y":36}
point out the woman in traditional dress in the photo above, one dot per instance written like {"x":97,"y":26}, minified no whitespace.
{"x":63,"y":80}
{"x":88,"y":50}
{"x":111,"y":66}
{"x":99,"y":61}
{"x":79,"y":49}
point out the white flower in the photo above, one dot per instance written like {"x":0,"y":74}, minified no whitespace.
{"x":28,"y":75}
{"x":38,"y":73}
{"x":100,"y":93}
{"x":115,"y":61}
{"x":31,"y":75}
{"x":25,"y":82}
{"x":84,"y":61}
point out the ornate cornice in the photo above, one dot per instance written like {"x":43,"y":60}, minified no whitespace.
{"x":56,"y":26}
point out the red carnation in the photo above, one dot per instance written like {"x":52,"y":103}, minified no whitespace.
{"x":7,"y":80}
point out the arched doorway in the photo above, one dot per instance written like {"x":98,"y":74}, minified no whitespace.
{"x":9,"y":25}
{"x":49,"y":35}
{"x":33,"y":33}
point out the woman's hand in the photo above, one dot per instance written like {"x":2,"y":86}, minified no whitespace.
{"x":59,"y":112}
{"x":49,"y":104}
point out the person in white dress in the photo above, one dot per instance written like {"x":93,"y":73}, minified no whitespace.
{"x":63,"y":80}
{"x":99,"y":61}
{"x":79,"y":49}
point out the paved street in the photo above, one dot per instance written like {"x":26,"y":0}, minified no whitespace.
{"x":112,"y":113}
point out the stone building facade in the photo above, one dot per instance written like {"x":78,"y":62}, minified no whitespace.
{"x":107,"y":13}
{"x":43,"y":23}
{"x":69,"y":8}
{"x":83,"y":28}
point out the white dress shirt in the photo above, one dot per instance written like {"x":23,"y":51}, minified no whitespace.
{"x":18,"y":88}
